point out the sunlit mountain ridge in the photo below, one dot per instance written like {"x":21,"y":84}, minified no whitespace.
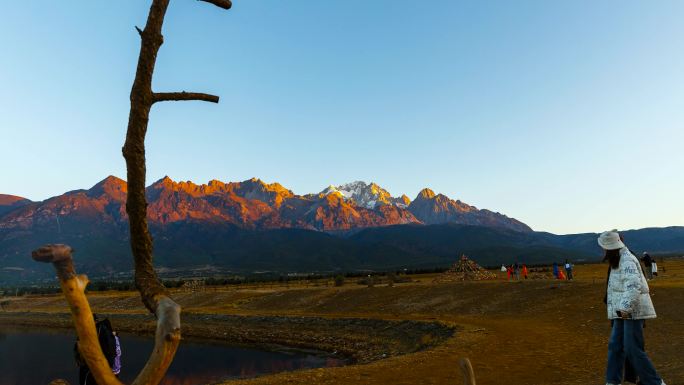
{"x":254,"y":204}
{"x":255,"y":226}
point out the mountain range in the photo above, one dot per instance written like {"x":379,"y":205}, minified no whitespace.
{"x":252,"y":204}
{"x":254,"y":226}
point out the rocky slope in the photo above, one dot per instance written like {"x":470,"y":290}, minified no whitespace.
{"x":251,"y":204}
{"x":246,"y":226}
{"x":431,"y":208}
{"x":11,"y":202}
{"x":254,"y":226}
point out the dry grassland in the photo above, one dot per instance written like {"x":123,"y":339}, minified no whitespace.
{"x":534,"y":332}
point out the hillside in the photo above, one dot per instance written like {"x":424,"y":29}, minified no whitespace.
{"x":186,"y":246}
{"x":251,"y":204}
{"x":11,"y":202}
{"x":253,"y":226}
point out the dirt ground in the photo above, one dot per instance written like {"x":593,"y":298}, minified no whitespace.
{"x":529,"y":332}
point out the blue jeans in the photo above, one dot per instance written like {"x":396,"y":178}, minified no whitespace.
{"x":627,"y":341}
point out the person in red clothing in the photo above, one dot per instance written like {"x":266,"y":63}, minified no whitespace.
{"x":509,"y":272}
{"x":561,"y":275}
{"x":524,"y":271}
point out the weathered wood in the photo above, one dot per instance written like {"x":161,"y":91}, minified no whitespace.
{"x":154,"y":295}
{"x":73,"y":287}
{"x":467,"y":370}
{"x":184,"y":96}
{"x":142,"y":99}
{"x":225,"y":4}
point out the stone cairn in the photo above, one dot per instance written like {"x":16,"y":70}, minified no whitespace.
{"x":193,"y":286}
{"x":465,"y":269}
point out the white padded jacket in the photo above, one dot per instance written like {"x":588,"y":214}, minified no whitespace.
{"x":628,"y":290}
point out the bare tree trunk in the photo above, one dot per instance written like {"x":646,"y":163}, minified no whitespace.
{"x":153,"y":294}
{"x":142,"y":99}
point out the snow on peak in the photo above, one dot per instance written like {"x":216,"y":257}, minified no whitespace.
{"x":365,"y":195}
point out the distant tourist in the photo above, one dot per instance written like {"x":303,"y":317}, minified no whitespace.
{"x":561,"y":275}
{"x":568,"y":269}
{"x":516,"y":270}
{"x":555,"y":270}
{"x":628,"y":304}
{"x":648,"y":263}
{"x":509,"y":272}
{"x":524,"y":271}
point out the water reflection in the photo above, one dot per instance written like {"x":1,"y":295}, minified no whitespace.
{"x":37,"y":357}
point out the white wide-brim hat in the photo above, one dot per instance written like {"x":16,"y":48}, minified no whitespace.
{"x":610,"y":240}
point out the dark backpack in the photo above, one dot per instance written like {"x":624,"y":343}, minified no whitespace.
{"x":105,"y":335}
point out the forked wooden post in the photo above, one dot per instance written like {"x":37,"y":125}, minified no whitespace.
{"x":467,"y":370}
{"x":73,"y":287}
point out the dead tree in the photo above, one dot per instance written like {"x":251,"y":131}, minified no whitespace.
{"x":153,"y":294}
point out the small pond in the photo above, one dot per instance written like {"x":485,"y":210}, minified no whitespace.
{"x":31,"y":357}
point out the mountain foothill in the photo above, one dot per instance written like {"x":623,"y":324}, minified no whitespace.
{"x":253,"y":225}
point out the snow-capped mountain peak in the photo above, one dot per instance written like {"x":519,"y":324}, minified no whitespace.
{"x":365,"y":195}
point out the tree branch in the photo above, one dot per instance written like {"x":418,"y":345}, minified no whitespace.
{"x":166,"y":341}
{"x":225,"y":4}
{"x":184,"y":96}
{"x":140,"y":32}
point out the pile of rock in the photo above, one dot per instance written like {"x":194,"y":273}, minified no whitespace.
{"x":193,"y":285}
{"x":465,"y":269}
{"x":540,"y":273}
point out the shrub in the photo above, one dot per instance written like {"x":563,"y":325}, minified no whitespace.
{"x":391,"y":278}
{"x":368,"y":281}
{"x":339,"y":280}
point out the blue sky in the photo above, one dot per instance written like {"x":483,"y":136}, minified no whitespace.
{"x":568,"y":115}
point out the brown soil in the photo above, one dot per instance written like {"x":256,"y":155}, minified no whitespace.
{"x":533,"y":332}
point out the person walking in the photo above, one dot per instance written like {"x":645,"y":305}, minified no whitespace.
{"x":524,"y":271}
{"x":555,"y":270}
{"x":628,"y":304}
{"x":630,"y":375}
{"x":516,"y":270}
{"x":568,"y":270}
{"x":648,"y":263}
